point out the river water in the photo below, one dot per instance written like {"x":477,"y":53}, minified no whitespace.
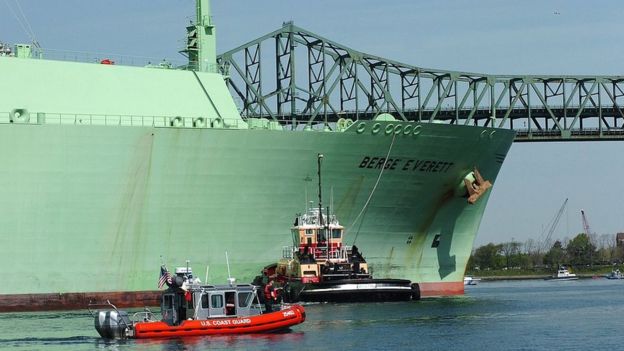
{"x":505,"y":315}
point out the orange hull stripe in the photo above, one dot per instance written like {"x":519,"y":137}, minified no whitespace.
{"x":441,"y":289}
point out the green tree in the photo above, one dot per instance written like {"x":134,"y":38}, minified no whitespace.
{"x":511,"y":252}
{"x":555,"y":255}
{"x":488,"y":256}
{"x":581,"y":251}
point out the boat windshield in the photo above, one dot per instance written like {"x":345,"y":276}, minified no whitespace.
{"x":244,"y":298}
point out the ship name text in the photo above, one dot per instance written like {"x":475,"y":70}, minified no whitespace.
{"x":431,"y":166}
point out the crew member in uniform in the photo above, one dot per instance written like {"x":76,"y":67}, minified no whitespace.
{"x":270,"y":296}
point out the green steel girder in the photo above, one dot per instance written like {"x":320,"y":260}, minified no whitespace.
{"x":344,"y":83}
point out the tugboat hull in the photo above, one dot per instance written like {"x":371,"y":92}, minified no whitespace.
{"x":355,"y":290}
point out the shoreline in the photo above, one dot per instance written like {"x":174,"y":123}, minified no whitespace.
{"x":532,"y":277}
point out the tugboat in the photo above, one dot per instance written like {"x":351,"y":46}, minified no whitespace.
{"x":191,"y":309}
{"x":320,"y":268}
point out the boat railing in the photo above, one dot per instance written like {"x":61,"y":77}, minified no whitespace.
{"x":288,"y":252}
{"x":144,"y":316}
{"x":342,"y":254}
{"x":320,"y":252}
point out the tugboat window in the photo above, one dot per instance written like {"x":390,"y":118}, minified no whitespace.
{"x":216,"y":301}
{"x":308,"y":232}
{"x":336,"y":233}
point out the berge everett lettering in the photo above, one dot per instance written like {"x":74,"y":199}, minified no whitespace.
{"x":432,"y":166}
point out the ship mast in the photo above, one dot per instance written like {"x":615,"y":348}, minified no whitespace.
{"x":201,"y":45}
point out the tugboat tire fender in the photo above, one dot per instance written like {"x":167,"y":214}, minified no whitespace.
{"x":415,"y":291}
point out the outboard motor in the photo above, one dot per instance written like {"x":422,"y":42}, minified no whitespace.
{"x":112,"y":324}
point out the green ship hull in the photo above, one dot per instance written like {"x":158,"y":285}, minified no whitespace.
{"x":110,"y":171}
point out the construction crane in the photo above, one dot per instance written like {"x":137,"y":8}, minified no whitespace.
{"x":546,"y":243}
{"x":586,"y":229}
{"x":589,"y":237}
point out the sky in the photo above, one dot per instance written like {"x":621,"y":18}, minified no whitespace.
{"x":570,"y":37}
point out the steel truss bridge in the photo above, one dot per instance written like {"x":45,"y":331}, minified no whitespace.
{"x":299,"y":78}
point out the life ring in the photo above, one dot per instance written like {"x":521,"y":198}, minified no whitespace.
{"x":398,"y":129}
{"x":376,"y":128}
{"x":361,"y":127}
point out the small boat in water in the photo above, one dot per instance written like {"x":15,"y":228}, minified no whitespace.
{"x":563,"y":274}
{"x":469,"y":280}
{"x":191,"y":309}
{"x":318,"y":267}
{"x":615,"y":274}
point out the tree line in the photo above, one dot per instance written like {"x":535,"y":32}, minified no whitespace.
{"x":583,"y":250}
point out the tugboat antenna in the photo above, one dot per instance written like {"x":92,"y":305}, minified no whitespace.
{"x":319,"y":158}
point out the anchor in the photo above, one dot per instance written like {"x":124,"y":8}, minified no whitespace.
{"x":476,"y":187}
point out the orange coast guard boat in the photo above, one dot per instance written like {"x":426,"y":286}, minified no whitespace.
{"x":191,"y":309}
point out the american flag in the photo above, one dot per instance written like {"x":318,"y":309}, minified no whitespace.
{"x":165,"y":277}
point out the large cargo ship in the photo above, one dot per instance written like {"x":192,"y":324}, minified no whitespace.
{"x":109,"y":170}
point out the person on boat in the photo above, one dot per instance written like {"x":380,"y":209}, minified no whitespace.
{"x":269,"y":297}
{"x":356,"y":255}
{"x":306,"y":256}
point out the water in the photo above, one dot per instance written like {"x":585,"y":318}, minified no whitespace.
{"x":508,"y":315}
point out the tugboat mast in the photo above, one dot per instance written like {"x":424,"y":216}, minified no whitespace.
{"x":319,"y":158}
{"x":201,"y":45}
{"x":324,"y":224}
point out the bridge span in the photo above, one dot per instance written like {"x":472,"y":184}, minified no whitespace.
{"x":296,"y":77}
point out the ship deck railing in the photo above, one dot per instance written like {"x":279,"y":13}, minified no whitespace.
{"x":119,"y":59}
{"x":22,"y":116}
